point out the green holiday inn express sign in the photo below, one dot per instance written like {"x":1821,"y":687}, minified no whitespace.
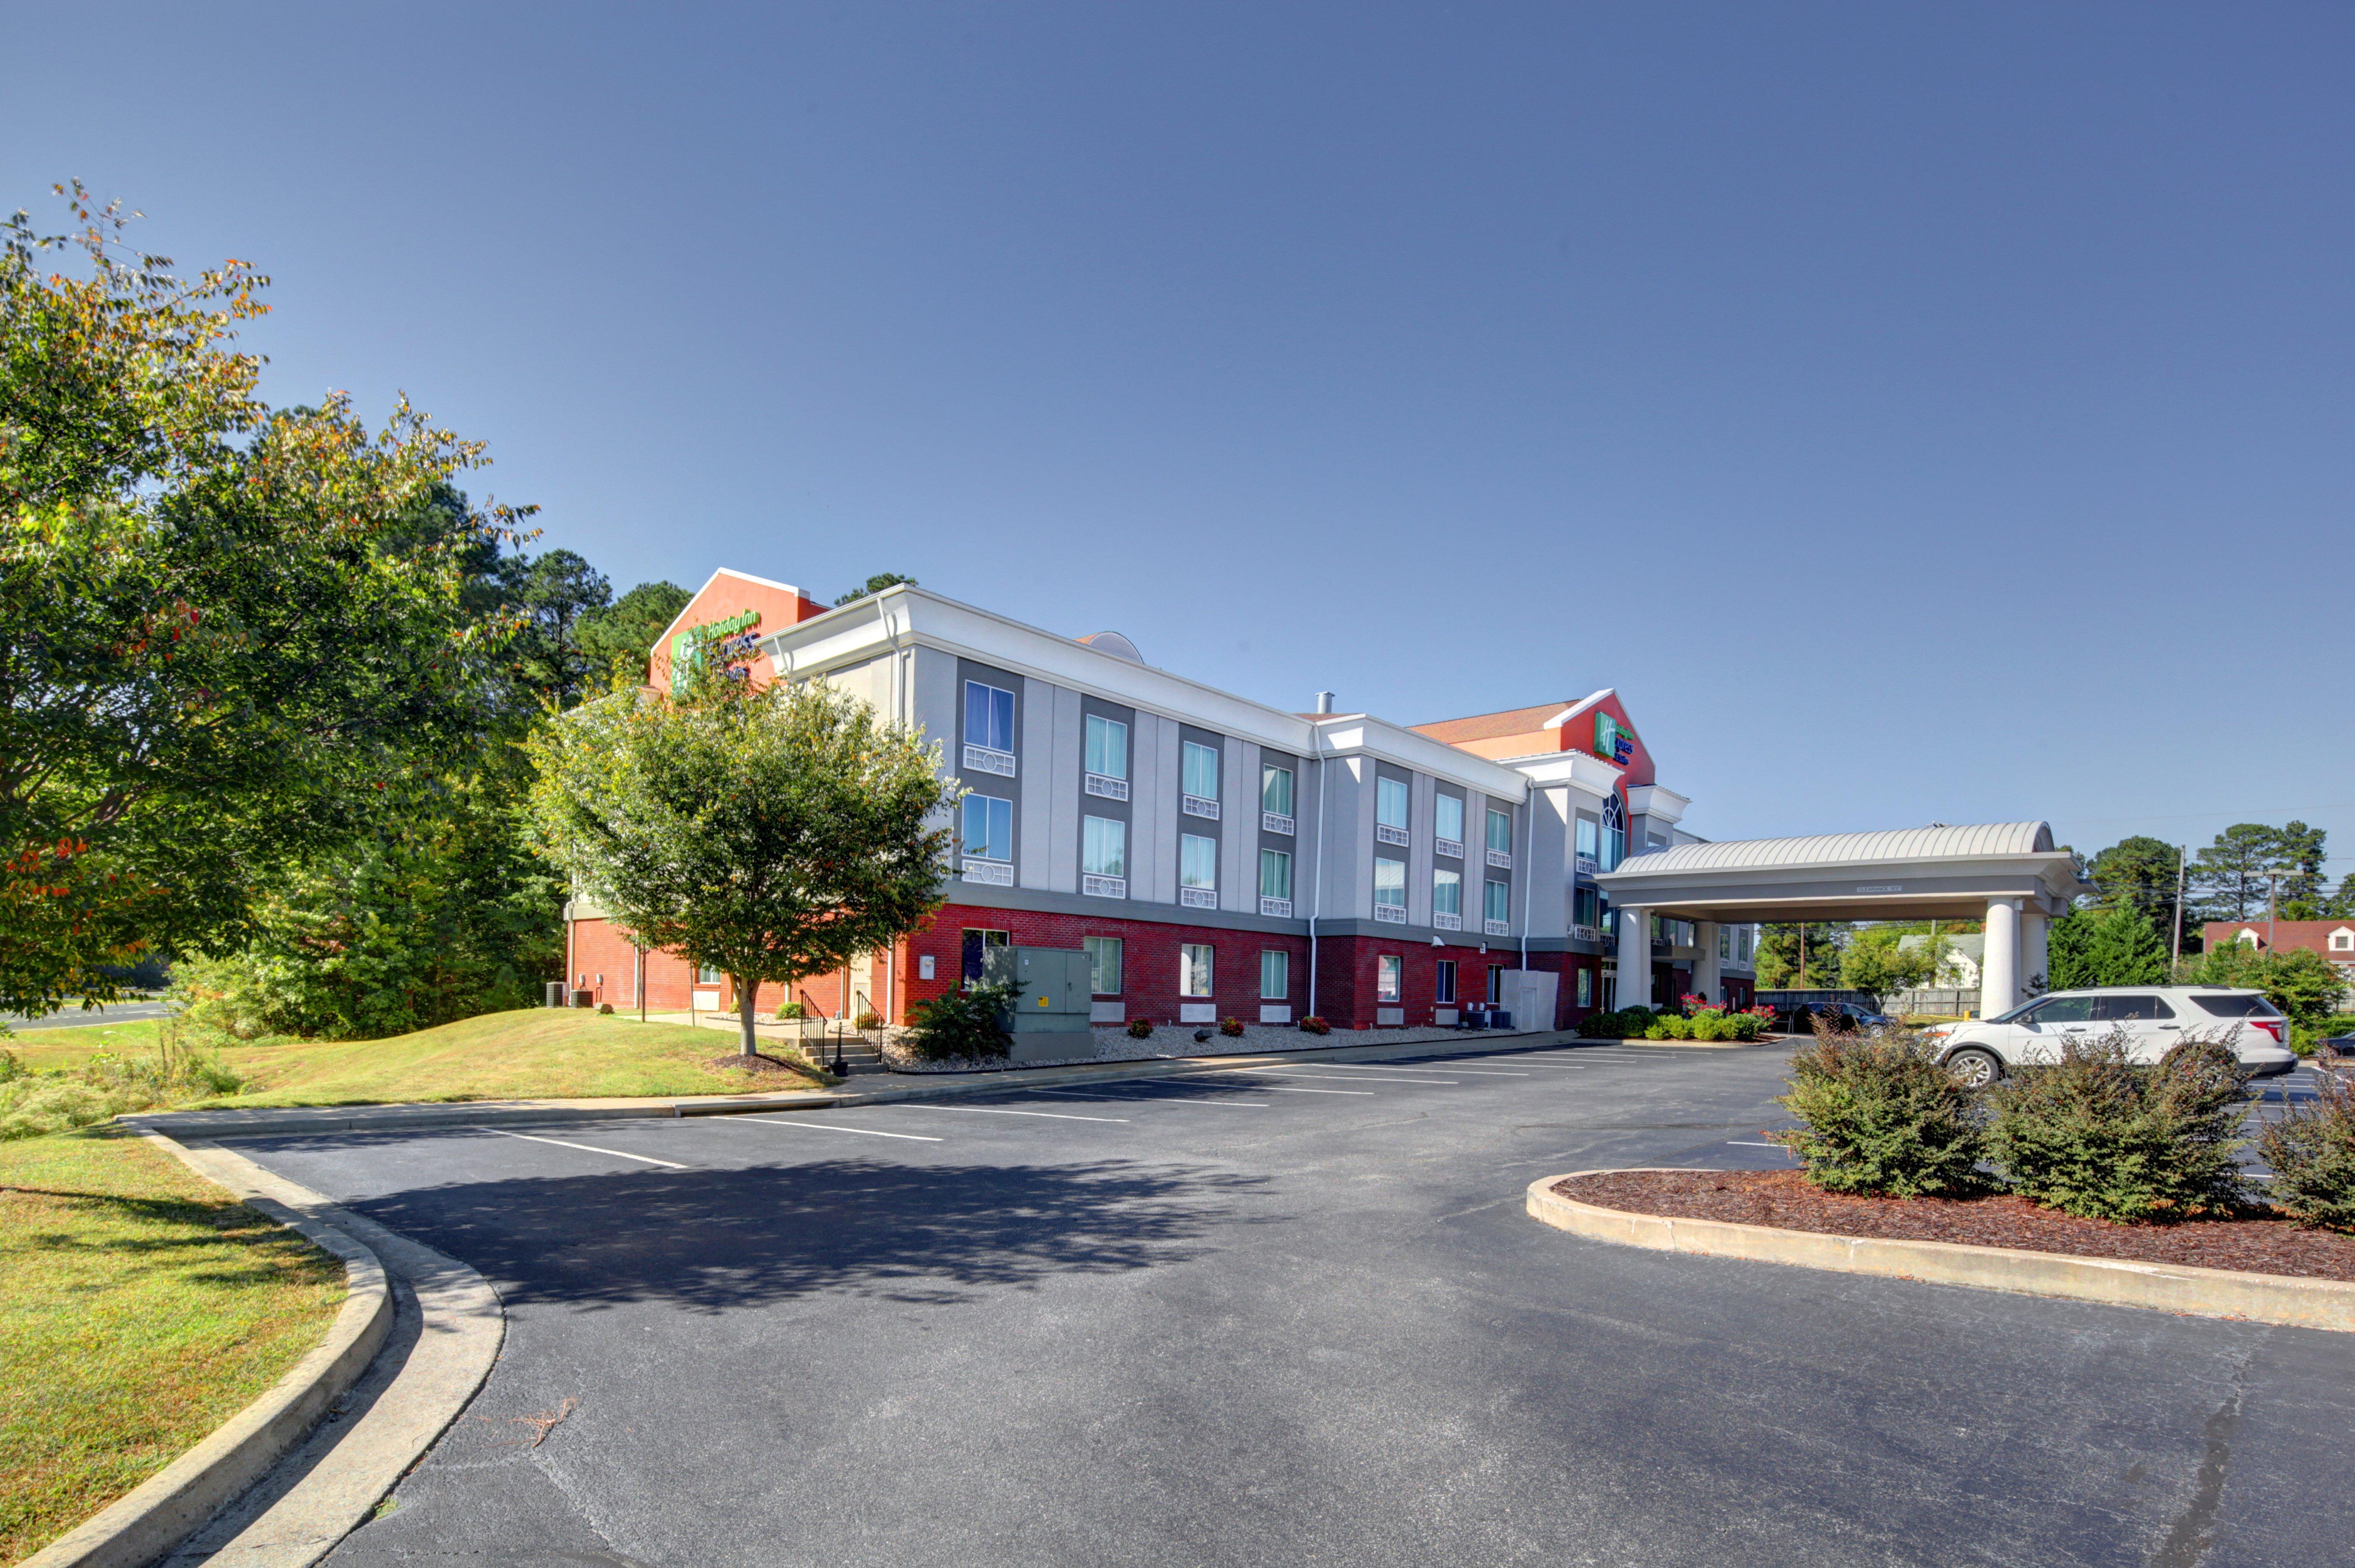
{"x":689,"y":648}
{"x":1614,"y":742}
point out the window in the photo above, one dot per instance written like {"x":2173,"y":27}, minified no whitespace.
{"x":1447,"y":892}
{"x":1585,"y":988}
{"x":1389,"y":802}
{"x":1107,"y":748}
{"x":1275,"y":873}
{"x":1201,"y":772}
{"x":1275,"y":789}
{"x":1197,"y":862}
{"x":1274,"y":974}
{"x":1590,"y":834}
{"x":1442,"y":984}
{"x":2236,"y":1007}
{"x":1501,"y":833}
{"x":1749,"y":935}
{"x":1725,"y":941}
{"x":1614,"y":833}
{"x":1450,"y":819}
{"x":1388,"y":967}
{"x":1500,"y":901}
{"x":2129,"y":1008}
{"x":1496,"y":985}
{"x":988,"y":827}
{"x":706,"y":975}
{"x":1103,"y":847}
{"x":974,"y":945}
{"x":2062,"y":1010}
{"x":1586,"y":906}
{"x":988,"y":717}
{"x":1103,"y":964}
{"x":1389,"y":884}
{"x":1194,"y":969}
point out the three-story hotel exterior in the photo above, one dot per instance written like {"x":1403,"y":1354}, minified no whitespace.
{"x":1214,"y":857}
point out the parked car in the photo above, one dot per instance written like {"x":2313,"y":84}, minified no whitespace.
{"x":2155,"y":1017}
{"x":1847,"y":1017}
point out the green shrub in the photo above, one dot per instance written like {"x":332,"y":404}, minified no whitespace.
{"x":2097,"y":1135}
{"x":1231,"y":1027}
{"x":2312,"y":1151}
{"x":1629,"y":1023}
{"x":963,"y":1024}
{"x":790,"y":1010}
{"x":1878,"y":1114}
{"x":1710,"y":1024}
{"x":1140,"y":1029}
{"x":1742,"y":1026}
{"x":1669,"y":1026}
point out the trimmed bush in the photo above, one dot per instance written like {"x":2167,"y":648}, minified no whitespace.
{"x":1709,"y":1024}
{"x":1744,"y":1026}
{"x":963,"y":1023}
{"x":2098,"y":1136}
{"x":1626,"y":1024}
{"x":1140,"y":1029}
{"x":1669,"y":1026}
{"x":789,"y":1012}
{"x":2312,"y":1152}
{"x":1312,"y":1024}
{"x":1878,"y":1115}
{"x":1231,"y":1027}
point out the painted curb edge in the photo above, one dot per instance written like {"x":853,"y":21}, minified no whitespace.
{"x":2327,"y":1304}
{"x":148,"y":1521}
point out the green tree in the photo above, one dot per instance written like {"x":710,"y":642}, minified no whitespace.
{"x":2299,"y":981}
{"x":2122,"y":949}
{"x":2066,"y":966}
{"x":1876,"y":960}
{"x":2139,"y":872}
{"x":553,"y":593}
{"x":771,"y":834}
{"x":2233,"y":870}
{"x":875,"y":584}
{"x":1778,"y":956}
{"x":2342,"y":904}
{"x":2302,"y":854}
{"x":222,"y":636}
{"x":619,"y":637}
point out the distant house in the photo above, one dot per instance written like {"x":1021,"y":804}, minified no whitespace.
{"x":1959,"y":957}
{"x":2334,"y":940}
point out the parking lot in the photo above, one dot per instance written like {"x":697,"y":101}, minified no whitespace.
{"x":1291,"y":1314}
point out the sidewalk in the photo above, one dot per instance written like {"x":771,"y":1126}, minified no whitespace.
{"x":889,"y":1088}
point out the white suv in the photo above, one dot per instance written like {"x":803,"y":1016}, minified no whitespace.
{"x":2154,"y":1017}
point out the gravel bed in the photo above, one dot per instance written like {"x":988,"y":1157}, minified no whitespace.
{"x":1170,"y":1040}
{"x":2255,"y":1244}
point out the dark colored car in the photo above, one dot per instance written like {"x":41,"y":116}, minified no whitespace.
{"x":1847,"y":1017}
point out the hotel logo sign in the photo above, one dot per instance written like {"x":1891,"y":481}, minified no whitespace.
{"x":724,"y":639}
{"x":1614,"y":742}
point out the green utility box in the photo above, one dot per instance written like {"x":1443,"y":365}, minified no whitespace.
{"x":1048,"y":1019}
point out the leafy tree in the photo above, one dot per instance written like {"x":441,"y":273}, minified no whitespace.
{"x":1875,"y":960}
{"x":2302,"y":855}
{"x":223,"y":630}
{"x":875,"y":584}
{"x":2233,"y":870}
{"x":2298,"y":981}
{"x":2342,"y":904}
{"x":771,"y":834}
{"x":618,"y":638}
{"x":554,"y":593}
{"x":2121,"y":949}
{"x":2138,"y":872}
{"x":2065,"y":941}
{"x":1778,"y":956}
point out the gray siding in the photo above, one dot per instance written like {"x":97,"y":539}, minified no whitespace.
{"x":1421,"y":812}
{"x":1548,"y":863}
{"x":1238,"y":839}
{"x":1036,"y":725}
{"x":1163,"y":846}
{"x":1061,"y":834}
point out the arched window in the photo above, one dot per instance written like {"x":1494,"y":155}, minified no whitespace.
{"x":1614,"y":833}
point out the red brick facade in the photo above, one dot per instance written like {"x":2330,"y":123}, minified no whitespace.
{"x":1347,"y":982}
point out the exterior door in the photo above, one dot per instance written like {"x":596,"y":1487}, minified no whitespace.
{"x":2038,"y":1035}
{"x":2149,"y":1023}
{"x":862,"y":985}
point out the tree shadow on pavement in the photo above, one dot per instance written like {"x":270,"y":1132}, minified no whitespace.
{"x":718,"y":1239}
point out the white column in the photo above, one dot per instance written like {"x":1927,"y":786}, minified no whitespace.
{"x":1999,"y":967}
{"x":1707,"y":979}
{"x":2035,"y":975}
{"x":1635,"y":958}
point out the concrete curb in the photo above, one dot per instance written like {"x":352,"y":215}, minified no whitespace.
{"x":151,"y":1518}
{"x":2117,"y":1282}
{"x":272,"y":1123}
{"x":329,"y":1488}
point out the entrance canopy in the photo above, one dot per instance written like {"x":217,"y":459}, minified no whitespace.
{"x":2006,"y":874}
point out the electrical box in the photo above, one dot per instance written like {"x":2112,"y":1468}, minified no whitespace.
{"x":1048,"y":1016}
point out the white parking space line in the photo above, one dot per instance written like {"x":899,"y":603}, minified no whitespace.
{"x":1423,"y":1066}
{"x":560,"y":1143}
{"x":1154,"y":1099}
{"x":829,"y":1127}
{"x":1753,"y":1143}
{"x":1275,"y":1089}
{"x":993,"y":1110}
{"x":1336,"y":1078}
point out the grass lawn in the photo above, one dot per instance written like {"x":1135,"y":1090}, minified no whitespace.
{"x":43,"y":1049}
{"x":533,"y":1054}
{"x":143,"y":1307}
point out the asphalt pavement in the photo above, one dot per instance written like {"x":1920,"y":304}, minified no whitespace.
{"x":1293,"y":1315}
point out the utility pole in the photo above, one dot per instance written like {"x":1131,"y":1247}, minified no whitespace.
{"x":2176,"y":959}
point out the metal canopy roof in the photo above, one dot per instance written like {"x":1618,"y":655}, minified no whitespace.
{"x":1939,"y":842}
{"x":1907,"y":873}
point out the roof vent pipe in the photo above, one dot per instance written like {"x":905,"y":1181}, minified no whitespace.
{"x":1323,"y":702}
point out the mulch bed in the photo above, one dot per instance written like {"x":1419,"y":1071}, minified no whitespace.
{"x":2254,"y":1244}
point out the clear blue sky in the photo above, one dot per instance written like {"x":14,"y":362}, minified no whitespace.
{"x":1918,"y":413}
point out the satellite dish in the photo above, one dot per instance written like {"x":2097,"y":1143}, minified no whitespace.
{"x":1113,"y":643}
